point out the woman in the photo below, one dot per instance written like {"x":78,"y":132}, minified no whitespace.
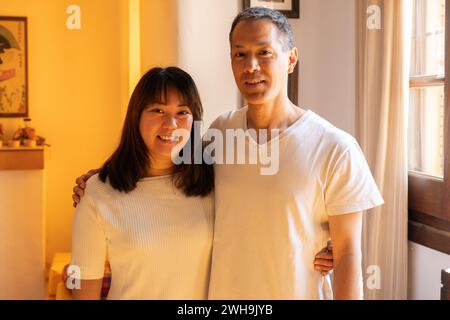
{"x":152,"y":220}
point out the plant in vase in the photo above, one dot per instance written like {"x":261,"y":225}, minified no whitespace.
{"x":26,"y":136}
{"x":30,"y":134}
{"x":31,"y":137}
{"x":17,"y":138}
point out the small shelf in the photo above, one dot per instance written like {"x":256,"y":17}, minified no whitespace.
{"x":22,"y":158}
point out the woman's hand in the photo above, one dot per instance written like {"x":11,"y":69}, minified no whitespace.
{"x":78,"y":190}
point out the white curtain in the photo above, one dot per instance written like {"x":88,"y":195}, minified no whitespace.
{"x":382,"y":97}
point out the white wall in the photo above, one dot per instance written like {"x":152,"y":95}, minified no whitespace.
{"x":22,"y":255}
{"x":203,"y":28}
{"x":424,"y":272}
{"x":325,"y":36}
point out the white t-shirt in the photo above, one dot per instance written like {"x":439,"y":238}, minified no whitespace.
{"x":157,"y":240}
{"x":269,"y":227}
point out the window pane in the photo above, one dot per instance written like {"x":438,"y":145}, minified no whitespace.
{"x":426,"y":130}
{"x":428,"y":39}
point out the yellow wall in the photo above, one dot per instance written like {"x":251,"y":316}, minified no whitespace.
{"x":75,"y":96}
{"x":134,"y":43}
{"x":80,"y":82}
{"x":159,"y":33}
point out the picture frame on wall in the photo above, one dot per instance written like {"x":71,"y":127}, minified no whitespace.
{"x":290,"y":8}
{"x":13,"y":67}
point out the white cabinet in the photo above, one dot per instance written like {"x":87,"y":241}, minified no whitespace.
{"x":22,"y":259}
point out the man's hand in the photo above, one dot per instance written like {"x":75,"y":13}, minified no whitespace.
{"x":323,"y":261}
{"x":78,"y":190}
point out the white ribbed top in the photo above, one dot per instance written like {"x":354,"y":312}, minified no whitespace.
{"x":157,"y":240}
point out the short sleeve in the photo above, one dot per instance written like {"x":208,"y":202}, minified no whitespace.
{"x":88,"y":241}
{"x":350,"y":185}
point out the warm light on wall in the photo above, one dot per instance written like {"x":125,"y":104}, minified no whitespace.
{"x":134,"y":44}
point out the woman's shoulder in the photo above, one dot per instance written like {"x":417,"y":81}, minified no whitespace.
{"x":95,"y":186}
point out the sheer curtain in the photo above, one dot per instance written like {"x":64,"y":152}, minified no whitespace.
{"x":382,"y":97}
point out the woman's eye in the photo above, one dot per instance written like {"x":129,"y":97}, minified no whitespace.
{"x":265,"y":52}
{"x":238,"y":54}
{"x":156,"y":110}
{"x":184,"y":113}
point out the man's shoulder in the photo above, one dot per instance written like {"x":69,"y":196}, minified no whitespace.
{"x":230,"y":119}
{"x":328,"y":135}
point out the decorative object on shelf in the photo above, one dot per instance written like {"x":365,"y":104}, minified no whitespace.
{"x":14,"y":143}
{"x":25,"y":132}
{"x":26,"y":136}
{"x":29,"y":143}
{"x":290,"y":8}
{"x":40,"y":141}
{"x":13,"y":67}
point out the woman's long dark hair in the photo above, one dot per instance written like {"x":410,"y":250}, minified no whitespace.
{"x":129,"y":162}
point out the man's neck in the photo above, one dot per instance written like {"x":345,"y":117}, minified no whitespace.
{"x":277,"y":114}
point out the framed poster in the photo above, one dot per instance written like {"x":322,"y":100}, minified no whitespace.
{"x":290,"y":8}
{"x":13,"y":67}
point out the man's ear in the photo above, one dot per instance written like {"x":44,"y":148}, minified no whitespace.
{"x":293,"y":59}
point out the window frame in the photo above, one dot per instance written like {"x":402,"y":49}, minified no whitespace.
{"x":428,"y":196}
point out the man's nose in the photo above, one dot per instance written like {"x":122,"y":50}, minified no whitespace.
{"x":251,"y":64}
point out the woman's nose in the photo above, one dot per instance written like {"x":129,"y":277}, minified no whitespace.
{"x":170,"y":122}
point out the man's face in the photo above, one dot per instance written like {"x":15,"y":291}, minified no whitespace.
{"x":260,"y":62}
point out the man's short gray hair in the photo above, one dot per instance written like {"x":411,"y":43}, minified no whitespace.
{"x":276,"y":17}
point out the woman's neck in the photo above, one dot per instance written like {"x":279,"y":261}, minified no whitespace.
{"x":159,"y":168}
{"x":153,"y":172}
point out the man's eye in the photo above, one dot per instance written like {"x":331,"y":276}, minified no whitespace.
{"x":265,"y":52}
{"x":238,"y":54}
{"x":183,"y":113}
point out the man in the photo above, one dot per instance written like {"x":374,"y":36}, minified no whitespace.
{"x":268,"y":227}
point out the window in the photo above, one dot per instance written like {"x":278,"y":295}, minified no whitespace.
{"x":429,"y":125}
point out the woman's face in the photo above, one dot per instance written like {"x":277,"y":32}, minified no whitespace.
{"x":160,"y":126}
